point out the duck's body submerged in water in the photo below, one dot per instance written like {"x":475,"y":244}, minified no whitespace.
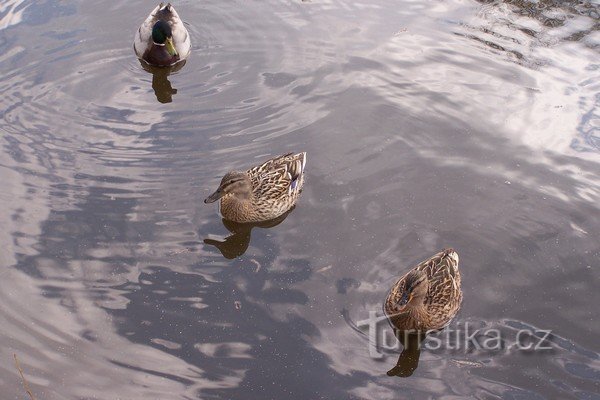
{"x":263,"y":192}
{"x":428,"y":296}
{"x":162,"y":39}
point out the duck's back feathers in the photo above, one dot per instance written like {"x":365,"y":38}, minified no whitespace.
{"x":279,"y":177}
{"x":143,"y":36}
{"x":181,"y":37}
{"x":444,"y":283}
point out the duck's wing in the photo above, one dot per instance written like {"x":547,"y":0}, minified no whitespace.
{"x":279,"y":176}
{"x":395,"y":294}
{"x":143,"y":36}
{"x":444,"y":278}
{"x":181,"y":37}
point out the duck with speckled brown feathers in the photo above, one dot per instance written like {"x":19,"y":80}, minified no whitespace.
{"x":263,"y":192}
{"x":427,"y":297}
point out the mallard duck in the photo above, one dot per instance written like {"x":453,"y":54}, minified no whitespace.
{"x":263,"y":192}
{"x":162,"y":39}
{"x":428,"y":296}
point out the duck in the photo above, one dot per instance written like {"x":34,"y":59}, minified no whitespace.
{"x":162,"y":39}
{"x":263,"y":192}
{"x":428,"y":296}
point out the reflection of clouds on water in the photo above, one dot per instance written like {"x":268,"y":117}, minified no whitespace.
{"x":551,"y":38}
{"x":12,"y":13}
{"x":80,"y":354}
{"x":500,"y":70}
{"x":75,"y":329}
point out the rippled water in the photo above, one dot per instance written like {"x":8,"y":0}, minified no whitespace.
{"x":427,"y":124}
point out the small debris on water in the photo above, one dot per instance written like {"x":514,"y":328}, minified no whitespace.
{"x":325,"y":268}
{"x":258,"y":266}
{"x":468,"y":363}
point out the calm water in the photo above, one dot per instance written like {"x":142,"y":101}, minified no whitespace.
{"x":427,"y":124}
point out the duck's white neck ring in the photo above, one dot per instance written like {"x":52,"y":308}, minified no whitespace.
{"x":158,"y":44}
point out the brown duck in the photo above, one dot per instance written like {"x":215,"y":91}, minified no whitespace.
{"x":263,"y":192}
{"x":428,"y":296}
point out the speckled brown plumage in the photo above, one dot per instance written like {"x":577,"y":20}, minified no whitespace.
{"x":438,"y":279}
{"x":263,"y":192}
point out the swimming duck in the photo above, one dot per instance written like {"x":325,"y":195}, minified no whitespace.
{"x":263,"y":192}
{"x":428,"y":296}
{"x":162,"y":39}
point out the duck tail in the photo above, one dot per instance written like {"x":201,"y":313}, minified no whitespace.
{"x":296,"y":169}
{"x":297,"y":164}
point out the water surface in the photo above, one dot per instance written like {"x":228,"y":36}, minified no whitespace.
{"x":427,"y":124}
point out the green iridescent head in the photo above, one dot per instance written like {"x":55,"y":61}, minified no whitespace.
{"x":162,"y":35}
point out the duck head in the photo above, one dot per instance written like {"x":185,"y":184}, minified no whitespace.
{"x":415,"y":289}
{"x":234,"y":184}
{"x":162,"y":35}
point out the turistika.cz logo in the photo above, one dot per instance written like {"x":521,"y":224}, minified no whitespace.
{"x":457,"y":337}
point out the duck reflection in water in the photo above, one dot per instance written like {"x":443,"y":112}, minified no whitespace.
{"x":409,"y":358}
{"x":163,"y":89}
{"x":236,"y":244}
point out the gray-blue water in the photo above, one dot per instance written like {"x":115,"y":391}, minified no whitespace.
{"x":427,"y":124}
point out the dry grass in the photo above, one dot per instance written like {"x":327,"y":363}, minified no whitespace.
{"x":25,"y":384}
